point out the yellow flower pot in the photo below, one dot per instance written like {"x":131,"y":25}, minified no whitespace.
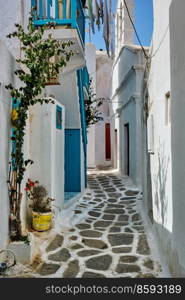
{"x":14,"y":116}
{"x":41,"y":221}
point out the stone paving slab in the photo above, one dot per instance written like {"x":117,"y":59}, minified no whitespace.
{"x":110,"y":239}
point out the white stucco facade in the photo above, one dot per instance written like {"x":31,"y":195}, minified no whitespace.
{"x":124,"y":33}
{"x":127,"y":98}
{"x":67,"y":94}
{"x":47,"y":150}
{"x":100,"y":70}
{"x":43,"y":143}
{"x":159,"y":88}
{"x":177,"y":56}
{"x":90,"y":53}
{"x":16,"y":11}
{"x":103,"y":90}
{"x":6,"y":76}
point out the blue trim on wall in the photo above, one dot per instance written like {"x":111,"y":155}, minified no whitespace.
{"x":56,"y":9}
{"x":86,"y":79}
{"x":58,"y":117}
{"x":82,"y":108}
{"x":49,"y":3}
{"x":72,"y":160}
{"x":40,"y":9}
{"x":83,"y":119}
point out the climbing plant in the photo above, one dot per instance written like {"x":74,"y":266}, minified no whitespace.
{"x":92,"y":107}
{"x":42,"y":60}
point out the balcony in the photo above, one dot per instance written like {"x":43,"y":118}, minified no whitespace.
{"x":68,"y":17}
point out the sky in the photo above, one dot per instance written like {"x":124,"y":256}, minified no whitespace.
{"x":143,"y":22}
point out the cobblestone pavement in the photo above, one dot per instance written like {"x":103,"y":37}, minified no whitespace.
{"x":110,"y":239}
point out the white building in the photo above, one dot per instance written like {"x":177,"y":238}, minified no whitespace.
{"x":159,"y":125}
{"x":6,"y":75}
{"x":127,"y":98}
{"x":176,"y":240}
{"x":55,"y":134}
{"x":101,"y":136}
{"x":166,"y":142}
{"x":127,"y":95}
{"x":123,"y":26}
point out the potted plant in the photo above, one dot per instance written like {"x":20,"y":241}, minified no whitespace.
{"x":41,"y":206}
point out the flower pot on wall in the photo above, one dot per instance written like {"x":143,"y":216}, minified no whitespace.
{"x":41,"y":221}
{"x":41,"y":206}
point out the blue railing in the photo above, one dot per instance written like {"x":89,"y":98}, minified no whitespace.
{"x":60,"y":12}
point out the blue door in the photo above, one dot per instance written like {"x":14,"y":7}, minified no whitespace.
{"x":72,"y":160}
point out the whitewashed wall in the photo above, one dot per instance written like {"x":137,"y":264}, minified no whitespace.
{"x":47,"y":150}
{"x":17,"y":11}
{"x":161,"y":167}
{"x":90,"y":53}
{"x":177,"y":48}
{"x":67,"y":94}
{"x":100,"y":70}
{"x":11,"y":12}
{"x":103,"y":90}
{"x":127,"y":100}
{"x":123,"y":27}
{"x":6,"y":76}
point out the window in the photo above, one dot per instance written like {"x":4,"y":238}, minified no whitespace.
{"x":150,"y":129}
{"x":58,"y":117}
{"x":167,"y":109}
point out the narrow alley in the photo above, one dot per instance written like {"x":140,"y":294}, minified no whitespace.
{"x":109,"y":238}
{"x":92,"y":148}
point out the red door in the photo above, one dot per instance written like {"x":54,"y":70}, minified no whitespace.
{"x":107,"y":142}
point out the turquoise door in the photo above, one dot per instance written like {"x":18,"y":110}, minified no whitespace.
{"x":72,"y":160}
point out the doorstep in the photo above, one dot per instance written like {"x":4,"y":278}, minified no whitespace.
{"x":72,"y":197}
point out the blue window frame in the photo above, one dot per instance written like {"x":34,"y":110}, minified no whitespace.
{"x":58,"y":117}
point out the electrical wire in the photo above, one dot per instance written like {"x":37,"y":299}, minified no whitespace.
{"x":135,"y":30}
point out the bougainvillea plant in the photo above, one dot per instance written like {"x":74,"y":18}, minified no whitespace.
{"x":36,"y":68}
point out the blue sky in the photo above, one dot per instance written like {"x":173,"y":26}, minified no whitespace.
{"x":143,"y":22}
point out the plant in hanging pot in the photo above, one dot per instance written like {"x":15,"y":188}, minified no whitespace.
{"x":41,"y":205}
